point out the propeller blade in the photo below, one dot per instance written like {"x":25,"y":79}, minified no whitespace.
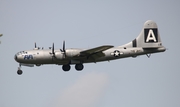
{"x":63,"y":50}
{"x":53,"y":53}
{"x":35,"y":44}
{"x":53,"y":49}
{"x":64,"y":46}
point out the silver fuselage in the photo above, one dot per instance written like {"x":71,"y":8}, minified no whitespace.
{"x":44,"y":56}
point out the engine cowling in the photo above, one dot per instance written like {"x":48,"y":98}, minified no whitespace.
{"x":59,"y":55}
{"x":72,"y":52}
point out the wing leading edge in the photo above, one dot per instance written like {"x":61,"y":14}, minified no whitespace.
{"x":95,"y":53}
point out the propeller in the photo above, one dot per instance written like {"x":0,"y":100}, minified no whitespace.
{"x":53,"y":49}
{"x":63,"y":50}
{"x":53,"y":53}
{"x":35,"y":45}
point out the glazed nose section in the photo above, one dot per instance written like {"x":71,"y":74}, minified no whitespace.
{"x":15,"y":57}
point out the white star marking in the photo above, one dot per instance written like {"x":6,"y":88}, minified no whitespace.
{"x":116,"y":53}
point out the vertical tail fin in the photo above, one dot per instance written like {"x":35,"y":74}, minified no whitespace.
{"x":148,"y":38}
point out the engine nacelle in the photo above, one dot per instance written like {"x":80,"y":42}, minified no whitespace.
{"x":72,"y":52}
{"x":59,"y":55}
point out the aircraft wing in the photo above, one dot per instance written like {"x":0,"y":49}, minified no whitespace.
{"x":95,"y":52}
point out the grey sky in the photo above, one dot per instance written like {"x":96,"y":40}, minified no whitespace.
{"x":137,"y":82}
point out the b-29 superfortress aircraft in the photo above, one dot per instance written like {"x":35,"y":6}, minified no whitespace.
{"x":146,"y":43}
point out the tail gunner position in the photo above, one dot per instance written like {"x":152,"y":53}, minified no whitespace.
{"x":146,"y":43}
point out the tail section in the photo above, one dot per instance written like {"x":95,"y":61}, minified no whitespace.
{"x":148,"y":38}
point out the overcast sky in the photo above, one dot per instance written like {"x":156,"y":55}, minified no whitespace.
{"x":129,"y":82}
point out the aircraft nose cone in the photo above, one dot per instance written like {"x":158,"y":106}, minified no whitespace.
{"x":15,"y":57}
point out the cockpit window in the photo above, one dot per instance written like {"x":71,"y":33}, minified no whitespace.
{"x":21,"y":52}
